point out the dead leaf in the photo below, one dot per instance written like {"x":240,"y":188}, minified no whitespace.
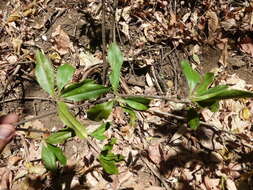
{"x":211,"y":184}
{"x":154,"y":153}
{"x":5,"y":178}
{"x":17,"y":42}
{"x":230,"y":184}
{"x":224,"y":55}
{"x":88,"y":60}
{"x":247,"y":45}
{"x":62,"y":41}
{"x":213,"y":21}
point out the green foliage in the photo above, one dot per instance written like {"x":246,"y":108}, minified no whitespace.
{"x":108,"y":159}
{"x":44,"y":72}
{"x":132,"y":116}
{"x":204,"y":96}
{"x":137,"y":103}
{"x":69,"y":120}
{"x":99,"y":132}
{"x":50,"y":154}
{"x":58,"y":85}
{"x":192,"y":76}
{"x":59,"y":137}
{"x":64,"y":75}
{"x":115,"y":59}
{"x":193,"y":118}
{"x":85,"y":92}
{"x":100,"y":111}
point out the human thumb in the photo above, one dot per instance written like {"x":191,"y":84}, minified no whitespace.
{"x":7,"y":131}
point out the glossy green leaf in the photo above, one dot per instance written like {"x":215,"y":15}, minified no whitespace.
{"x":193,"y":118}
{"x":108,"y":159}
{"x":48,"y":157}
{"x":192,"y":76}
{"x":132,"y":115}
{"x":64,"y":75}
{"x":69,"y":120}
{"x":99,"y":132}
{"x":205,"y":83}
{"x":58,"y":154}
{"x":59,"y":137}
{"x":138,"y":103}
{"x":100,"y":111}
{"x":210,"y":93}
{"x":73,"y":86}
{"x":115,"y":59}
{"x":44,"y":72}
{"x":87,"y":90}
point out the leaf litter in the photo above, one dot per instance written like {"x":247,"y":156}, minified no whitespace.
{"x":158,"y":33}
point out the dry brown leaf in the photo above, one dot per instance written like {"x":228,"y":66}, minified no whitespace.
{"x":62,"y":41}
{"x":228,"y":24}
{"x":213,"y":21}
{"x":154,"y":153}
{"x":230,"y":184}
{"x":17,"y":42}
{"x":247,"y":45}
{"x":5,"y":178}
{"x":211,"y":184}
{"x":224,"y":55}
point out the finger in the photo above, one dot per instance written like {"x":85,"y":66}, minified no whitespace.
{"x":6,"y":133}
{"x":8,"y":119}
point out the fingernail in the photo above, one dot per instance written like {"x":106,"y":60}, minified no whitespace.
{"x":5,"y":133}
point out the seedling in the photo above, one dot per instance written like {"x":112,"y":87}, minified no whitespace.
{"x":60,"y":88}
{"x":202,"y":95}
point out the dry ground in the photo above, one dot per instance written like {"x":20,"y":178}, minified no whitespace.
{"x":154,"y":36}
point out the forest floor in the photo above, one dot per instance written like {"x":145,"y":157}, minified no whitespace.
{"x":161,"y":152}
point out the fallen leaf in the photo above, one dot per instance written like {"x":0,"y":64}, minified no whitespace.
{"x":211,"y":184}
{"x":247,"y":45}
{"x":230,"y":184}
{"x":62,"y":41}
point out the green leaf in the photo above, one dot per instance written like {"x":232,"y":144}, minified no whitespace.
{"x":138,"y":103}
{"x":100,"y":111}
{"x":59,"y":137}
{"x":115,"y":59}
{"x":44,"y":72}
{"x":48,"y":157}
{"x":68,"y":119}
{"x":87,"y":90}
{"x":58,"y":154}
{"x":192,"y":76}
{"x":108,"y":159}
{"x":209,"y":94}
{"x":73,"y":86}
{"x":64,"y":75}
{"x":212,"y":105}
{"x":193,"y":118}
{"x":132,"y":115}
{"x":99,"y":132}
{"x":205,"y":83}
{"x":108,"y":165}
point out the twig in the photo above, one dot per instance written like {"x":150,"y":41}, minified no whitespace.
{"x":183,"y":101}
{"x":26,"y":98}
{"x":208,"y":125}
{"x":105,"y":66}
{"x":34,"y":118}
{"x":9,"y":80}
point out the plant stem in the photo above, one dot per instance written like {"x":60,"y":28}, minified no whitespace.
{"x":183,"y":101}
